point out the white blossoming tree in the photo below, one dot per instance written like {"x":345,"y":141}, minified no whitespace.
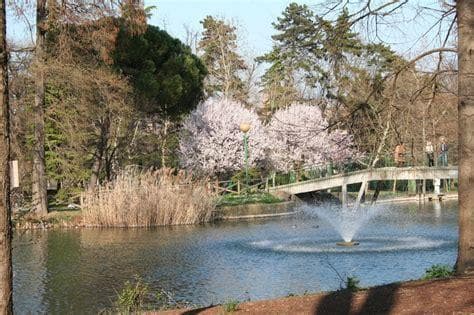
{"x":299,"y":137}
{"x":211,"y":142}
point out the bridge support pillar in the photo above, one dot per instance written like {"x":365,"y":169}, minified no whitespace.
{"x":361,"y":194}
{"x":437,"y":184}
{"x":344,"y":195}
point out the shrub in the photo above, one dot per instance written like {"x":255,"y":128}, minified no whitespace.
{"x":231,"y":306}
{"x":149,"y":198}
{"x":137,"y":296}
{"x":132,"y":297}
{"x":352,"y":284}
{"x":438,"y":271}
{"x":254,"y":176}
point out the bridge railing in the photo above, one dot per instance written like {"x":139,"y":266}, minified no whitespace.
{"x":241,"y":186}
{"x":301,"y":174}
{"x":310,"y":172}
{"x":328,"y":169}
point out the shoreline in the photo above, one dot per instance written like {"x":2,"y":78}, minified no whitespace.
{"x":408,"y":199}
{"x":72,"y":219}
{"x":409,"y":297}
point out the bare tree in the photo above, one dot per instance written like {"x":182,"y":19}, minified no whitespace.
{"x":39,"y":198}
{"x":192,"y":38}
{"x":6,"y":288}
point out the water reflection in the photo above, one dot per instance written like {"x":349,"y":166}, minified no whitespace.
{"x":80,"y":270}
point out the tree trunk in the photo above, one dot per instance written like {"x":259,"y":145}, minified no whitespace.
{"x":164,"y":142}
{"x":96,"y":166}
{"x":465,"y":13}
{"x":6,"y":288}
{"x":100,"y":152}
{"x":39,"y":200}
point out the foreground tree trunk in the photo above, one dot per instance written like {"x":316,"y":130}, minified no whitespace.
{"x":6,"y":289}
{"x":465,"y":13}
{"x":39,"y":202}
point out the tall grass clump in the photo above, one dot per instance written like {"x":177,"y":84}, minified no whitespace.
{"x":148,"y":198}
{"x":438,"y":272}
{"x":137,"y":297}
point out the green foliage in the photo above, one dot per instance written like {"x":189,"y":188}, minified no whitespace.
{"x":136,"y":296}
{"x":438,"y":271}
{"x":167,"y":77}
{"x":328,"y":55}
{"x":235,"y":200}
{"x":150,"y":148}
{"x":254,"y":175}
{"x":231,"y":306}
{"x":352,"y":284}
{"x":219,"y":47}
{"x":133,"y":295}
{"x":63,"y":163}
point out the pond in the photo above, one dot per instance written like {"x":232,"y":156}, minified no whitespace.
{"x":80,"y":270}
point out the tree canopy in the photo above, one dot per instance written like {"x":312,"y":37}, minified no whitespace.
{"x":164,"y":72}
{"x":219,"y":54}
{"x":325,"y":57}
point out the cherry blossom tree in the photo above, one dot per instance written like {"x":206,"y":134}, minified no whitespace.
{"x":299,"y":137}
{"x":211,"y":142}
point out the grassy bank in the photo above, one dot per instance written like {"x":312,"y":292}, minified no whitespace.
{"x":243,"y":199}
{"x":54,"y":219}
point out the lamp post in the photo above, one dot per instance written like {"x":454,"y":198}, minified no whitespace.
{"x":245,"y":127}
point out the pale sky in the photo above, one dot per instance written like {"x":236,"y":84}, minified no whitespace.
{"x":254,"y":19}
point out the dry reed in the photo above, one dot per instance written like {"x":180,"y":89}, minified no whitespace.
{"x":150,"y":198}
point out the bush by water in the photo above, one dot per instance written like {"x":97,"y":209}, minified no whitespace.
{"x":149,"y":198}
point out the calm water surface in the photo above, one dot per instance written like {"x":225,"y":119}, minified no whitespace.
{"x":79,"y":271}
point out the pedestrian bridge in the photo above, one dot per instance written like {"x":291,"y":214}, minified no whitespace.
{"x":365,"y":176}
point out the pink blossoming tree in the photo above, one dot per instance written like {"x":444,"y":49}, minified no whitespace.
{"x":299,"y":137}
{"x":211,"y":142}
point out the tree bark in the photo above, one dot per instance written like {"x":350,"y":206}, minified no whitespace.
{"x":100,"y":152}
{"x":39,"y":188}
{"x":164,"y":142}
{"x":6,"y":288}
{"x":465,"y":15}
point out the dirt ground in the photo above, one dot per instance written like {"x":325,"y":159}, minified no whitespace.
{"x":447,"y":296}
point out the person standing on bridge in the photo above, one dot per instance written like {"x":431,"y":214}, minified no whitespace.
{"x":443,"y":152}
{"x":399,"y":155}
{"x":429,"y":153}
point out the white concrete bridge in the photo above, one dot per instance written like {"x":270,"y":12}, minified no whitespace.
{"x":367,"y":175}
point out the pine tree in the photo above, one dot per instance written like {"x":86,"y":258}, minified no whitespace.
{"x":219,"y":54}
{"x":318,"y":58}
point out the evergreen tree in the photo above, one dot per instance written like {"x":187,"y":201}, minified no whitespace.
{"x":319,"y":57}
{"x":219,"y":53}
{"x":167,"y":77}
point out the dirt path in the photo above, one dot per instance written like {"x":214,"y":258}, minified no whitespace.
{"x":446,"y":296}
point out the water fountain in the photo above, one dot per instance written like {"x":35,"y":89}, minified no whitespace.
{"x":346,"y":221}
{"x":348,"y":244}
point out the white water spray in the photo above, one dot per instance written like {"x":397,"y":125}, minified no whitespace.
{"x":346,"y":221}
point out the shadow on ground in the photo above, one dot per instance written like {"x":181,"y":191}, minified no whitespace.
{"x":378,"y":300}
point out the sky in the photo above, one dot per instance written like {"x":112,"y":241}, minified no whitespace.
{"x":254,"y":20}
{"x":255,"y":17}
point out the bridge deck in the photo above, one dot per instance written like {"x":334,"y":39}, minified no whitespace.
{"x":385,"y":173}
